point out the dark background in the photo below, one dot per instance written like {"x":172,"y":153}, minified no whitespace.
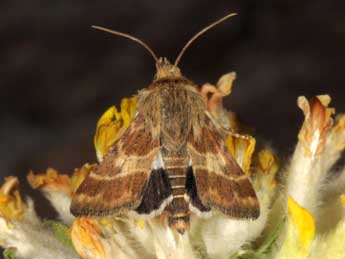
{"x":58,"y":75}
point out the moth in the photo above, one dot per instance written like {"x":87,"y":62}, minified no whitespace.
{"x":172,"y":160}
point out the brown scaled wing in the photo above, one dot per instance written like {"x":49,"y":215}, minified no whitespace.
{"x":118,"y":182}
{"x":220,"y":181}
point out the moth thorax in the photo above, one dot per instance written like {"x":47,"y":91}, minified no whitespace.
{"x":165,"y":69}
{"x":175,"y":158}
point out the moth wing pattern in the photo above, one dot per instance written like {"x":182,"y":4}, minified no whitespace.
{"x":117,"y":184}
{"x":219,"y":180}
{"x":156,"y":195}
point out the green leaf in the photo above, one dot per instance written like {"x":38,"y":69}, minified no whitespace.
{"x":9,"y":253}
{"x":268,"y":243}
{"x":264,"y":250}
{"x":60,"y":232}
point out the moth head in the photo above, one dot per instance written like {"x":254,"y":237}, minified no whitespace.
{"x":166,"y":69}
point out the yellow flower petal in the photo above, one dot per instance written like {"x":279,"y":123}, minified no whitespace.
{"x":107,"y":130}
{"x":303,"y":222}
{"x":265,"y":167}
{"x":242,"y":150}
{"x":86,"y":237}
{"x":51,"y":180}
{"x":128,"y":108}
{"x":11,"y":204}
{"x":267,"y":162}
{"x":112,"y":125}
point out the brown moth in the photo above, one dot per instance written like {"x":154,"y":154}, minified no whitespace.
{"x":171,"y":160}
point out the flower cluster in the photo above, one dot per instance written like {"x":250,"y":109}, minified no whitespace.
{"x":302,"y":203}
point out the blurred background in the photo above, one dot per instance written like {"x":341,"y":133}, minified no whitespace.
{"x":58,"y":75}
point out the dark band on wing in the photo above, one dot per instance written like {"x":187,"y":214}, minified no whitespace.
{"x":193,"y":193}
{"x":156,"y":192}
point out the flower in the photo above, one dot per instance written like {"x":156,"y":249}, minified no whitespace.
{"x":22,"y":233}
{"x":11,"y":204}
{"x":317,"y":123}
{"x":58,"y":188}
{"x":331,"y":244}
{"x":299,"y":232}
{"x":314,"y":154}
{"x":304,"y":222}
{"x":264,"y":169}
{"x":242,"y":149}
{"x":51,"y":180}
{"x":214,"y":99}
{"x":112,"y":125}
{"x":85,"y":234}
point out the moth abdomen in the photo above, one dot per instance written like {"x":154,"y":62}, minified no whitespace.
{"x":179,"y":222}
{"x":178,"y":209}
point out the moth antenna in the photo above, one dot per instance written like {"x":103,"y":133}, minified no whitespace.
{"x":199,"y":34}
{"x":125,"y":35}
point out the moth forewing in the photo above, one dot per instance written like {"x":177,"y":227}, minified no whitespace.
{"x":115,"y":187}
{"x":220,"y":181}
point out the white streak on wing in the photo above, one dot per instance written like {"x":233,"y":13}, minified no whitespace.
{"x":200,"y":214}
{"x":154,"y":213}
{"x":158,"y":162}
{"x":196,"y":211}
